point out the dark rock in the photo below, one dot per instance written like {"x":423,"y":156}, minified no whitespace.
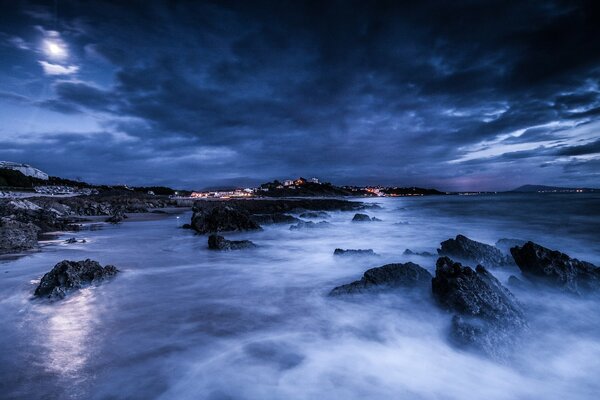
{"x":309,"y":225}
{"x":70,"y":275}
{"x":186,"y":226}
{"x":314,"y":214}
{"x":352,"y":252}
{"x":504,"y":245}
{"x":71,"y":240}
{"x":217,"y":242}
{"x":409,"y":252}
{"x":375,"y":219}
{"x":17,"y":236}
{"x":362,"y":218}
{"x":116,"y":218}
{"x":277,"y":218}
{"x":556,"y":269}
{"x":408,"y":275}
{"x":489,"y":318}
{"x":222,"y":218}
{"x":465,"y":249}
{"x":268,"y":206}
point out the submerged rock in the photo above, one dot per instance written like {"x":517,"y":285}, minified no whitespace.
{"x":17,"y":236}
{"x":309,"y":225}
{"x":556,"y":269}
{"x":222,"y":218}
{"x":409,"y":252}
{"x":277,"y":218}
{"x":353,"y":252}
{"x":71,"y":240}
{"x":488,"y":317}
{"x":363,"y":218}
{"x":408,"y":275}
{"x":218,"y":242}
{"x":71,"y":275}
{"x":465,"y":249}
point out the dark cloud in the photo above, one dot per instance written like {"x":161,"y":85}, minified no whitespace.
{"x":356,"y":92}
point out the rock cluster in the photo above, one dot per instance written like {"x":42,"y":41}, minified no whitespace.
{"x":487,"y":316}
{"x":556,"y":269}
{"x":354,"y":252}
{"x":363,"y":218}
{"x":67,"y":276}
{"x":309,"y":225}
{"x":222,"y":218}
{"x":218,"y":242}
{"x":408,"y":275}
{"x":17,"y":236}
{"x":465,"y":249}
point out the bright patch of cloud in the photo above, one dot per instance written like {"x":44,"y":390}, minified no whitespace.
{"x":55,"y":69}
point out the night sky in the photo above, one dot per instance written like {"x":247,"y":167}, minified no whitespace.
{"x":457,"y":95}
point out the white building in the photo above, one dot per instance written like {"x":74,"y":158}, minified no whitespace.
{"x":288,"y":182}
{"x":313,"y":180}
{"x":24,"y":169}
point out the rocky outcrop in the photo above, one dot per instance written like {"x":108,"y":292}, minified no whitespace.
{"x":465,"y":249}
{"x":309,"y":225}
{"x":487,"y":316}
{"x":409,"y":252}
{"x":116,"y":218}
{"x":277,"y":218}
{"x":408,"y":275}
{"x":217,"y":242}
{"x":556,"y":269}
{"x":17,"y":236}
{"x":222,"y":218}
{"x":268,"y":206}
{"x":353,"y":252}
{"x":67,"y":276}
{"x":363,"y":218}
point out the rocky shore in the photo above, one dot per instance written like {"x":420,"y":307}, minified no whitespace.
{"x":23,"y":220}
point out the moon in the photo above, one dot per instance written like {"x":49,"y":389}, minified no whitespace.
{"x":55,"y":49}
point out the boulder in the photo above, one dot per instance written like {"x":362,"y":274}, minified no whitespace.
{"x":67,"y":276}
{"x":363,"y":218}
{"x":353,"y":252}
{"x":408,"y":275}
{"x":309,"y":225}
{"x":277,"y":218}
{"x":465,"y":249}
{"x":487,"y":316}
{"x":116,"y":218}
{"x":218,"y":242}
{"x":222,"y":218}
{"x":71,"y":240}
{"x":556,"y":269}
{"x":17,"y":236}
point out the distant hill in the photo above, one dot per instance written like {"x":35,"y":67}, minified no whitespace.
{"x":550,"y":189}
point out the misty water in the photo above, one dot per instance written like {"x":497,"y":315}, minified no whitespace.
{"x":183,"y":322}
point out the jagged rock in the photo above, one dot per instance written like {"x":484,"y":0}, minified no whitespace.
{"x":71,"y":275}
{"x":408,"y":275}
{"x":488,"y":317}
{"x":314,"y":214}
{"x":465,"y":249}
{"x":71,"y":240}
{"x":504,"y":245}
{"x":222,"y":218}
{"x":409,"y":252}
{"x":17,"y":236}
{"x":217,"y":242}
{"x":353,"y":252}
{"x":553,"y":268}
{"x":309,"y":225}
{"x":363,"y":218}
{"x":277,"y":218}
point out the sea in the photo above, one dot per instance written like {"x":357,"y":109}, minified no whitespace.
{"x":184,"y":322}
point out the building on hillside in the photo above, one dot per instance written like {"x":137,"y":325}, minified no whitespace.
{"x":25,"y":169}
{"x":288,"y":182}
{"x":299,"y":181}
{"x":314,"y":180}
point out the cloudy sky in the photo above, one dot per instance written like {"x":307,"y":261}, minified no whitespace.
{"x":457,"y":95}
